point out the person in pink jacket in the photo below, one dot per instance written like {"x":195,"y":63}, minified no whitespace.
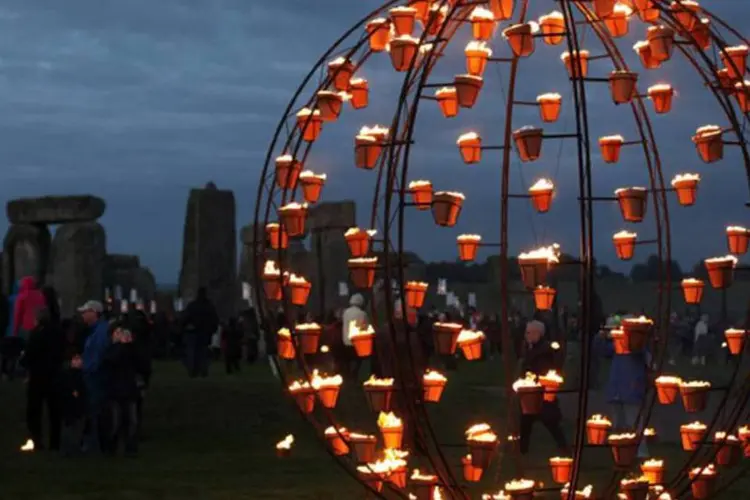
{"x":28,"y":301}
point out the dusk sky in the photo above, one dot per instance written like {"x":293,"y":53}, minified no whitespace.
{"x":137,"y":101}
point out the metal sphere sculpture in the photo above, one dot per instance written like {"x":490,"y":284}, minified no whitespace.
{"x":420,"y":38}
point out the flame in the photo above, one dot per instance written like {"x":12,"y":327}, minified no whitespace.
{"x":623,"y":10}
{"x":376,"y":131}
{"x":549,"y":97}
{"x":420,"y":184}
{"x":660,"y":88}
{"x":339,"y":61}
{"x":668,"y":380}
{"x":555,"y":345}
{"x":475,"y":48}
{"x":355,"y":231}
{"x":389,"y":421}
{"x":685,"y":178}
{"x":639,"y":320}
{"x":708,"y":130}
{"x":481,"y":14}
{"x":743,"y":432}
{"x":736,"y":229}
{"x":551,"y":253}
{"x":634,"y":480}
{"x":416,"y":475}
{"x":297,"y":280}
{"x":281,"y":160}
{"x":586,"y":492}
{"x":552,"y":376}
{"x":309,"y":174}
{"x":556,"y":15}
{"x":542,"y":185}
{"x":482,"y":433}
{"x":293,"y":206}
{"x":692,"y":281}
{"x":467,"y":336}
{"x":416,"y":285}
{"x":28,"y":445}
{"x":325,"y":349}
{"x":445,"y":91}
{"x":333,"y":431}
{"x":299,"y":385}
{"x":583,"y":54}
{"x":653,"y":463}
{"x":625,"y":436}
{"x":739,"y":49}
{"x":469,"y":237}
{"x":727,"y":258}
{"x":354,"y":331}
{"x":709,"y":470}
{"x":451,"y":194}
{"x":374,"y":381}
{"x":500,"y":495}
{"x":284,"y":332}
{"x":528,"y":381}
{"x":734,"y":332}
{"x":360,"y":83}
{"x":434,"y":376}
{"x":607,"y":139}
{"x":305,"y":112}
{"x":469,"y":136}
{"x":560,"y":461}
{"x":270,"y":269}
{"x":624,"y":235}
{"x":323,"y":381}
{"x":694,"y":426}
{"x":286,"y":443}
{"x":723,"y":436}
{"x":519,"y":484}
{"x":307,"y":326}
{"x":599,"y":421}
{"x":356,"y":436}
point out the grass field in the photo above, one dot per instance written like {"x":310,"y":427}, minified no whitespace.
{"x":213,"y":439}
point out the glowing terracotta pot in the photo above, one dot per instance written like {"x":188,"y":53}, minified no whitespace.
{"x":403,"y":20}
{"x":379,"y":397}
{"x":287,"y":171}
{"x":482,"y":453}
{"x":686,"y":14}
{"x":632,"y":203}
{"x":446,"y":207}
{"x":433,"y":390}
{"x":482,"y":28}
{"x":726,"y":83}
{"x":622,"y":85}
{"x":471,"y":474}
{"x":472,"y":349}
{"x":300,"y":292}
{"x":643,"y":49}
{"x":397,"y":477}
{"x":742,"y":94}
{"x":312,"y":186}
{"x":285,"y":347}
{"x":544,"y":297}
{"x":701,"y":33}
{"x":720,"y":273}
{"x":467,"y":89}
{"x":276,"y":235}
{"x":403,"y":51}
{"x":470,"y":146}
{"x":364,"y":447}
{"x":624,"y":245}
{"x":476,"y":60}
{"x":692,"y":291}
{"x":529,"y":143}
{"x":694,"y":399}
{"x":283,"y":452}
{"x":272,"y":287}
{"x":446,"y":337}
{"x":637,"y":333}
{"x":553,"y":28}
{"x":522,"y":493}
{"x":468,"y":244}
{"x":367,"y":150}
{"x":358,"y":242}
{"x":702,"y":486}
{"x":415,"y":294}
{"x":735,"y":340}
{"x":310,"y":123}
{"x":596,"y":432}
{"x":575,"y":62}
{"x":661,"y":41}
{"x":728,"y":452}
{"x":362,"y":272}
{"x":653,"y":472}
{"x":423,"y":489}
{"x":305,"y":399}
{"x":435,"y":20}
{"x":617,"y":24}
{"x":624,"y":451}
{"x":502,"y":9}
{"x":635,"y":490}
{"x":363,"y":345}
{"x":735,"y":56}
{"x":421,"y":194}
{"x":379,"y":33}
{"x":293,"y":217}
{"x":561,"y":469}
{"x":359,"y":90}
{"x":534,"y":271}
{"x":743,"y":433}
{"x":531,"y":398}
{"x":308,"y":337}
{"x":541,"y":199}
{"x":737,"y":240}
{"x":709,"y":143}
{"x":667,"y":390}
{"x":329,"y":396}
{"x":604,"y":8}
{"x":447,"y":99}
{"x":422,"y":7}
{"x":620,"y":342}
{"x":337,"y":443}
{"x":521,"y":39}
{"x":686,"y":189}
{"x":661,"y":97}
{"x":549,"y":107}
{"x":649,"y":15}
{"x":392,"y":437}
{"x":329,"y":105}
{"x":610,"y":147}
{"x":551,"y":387}
{"x":340,"y":72}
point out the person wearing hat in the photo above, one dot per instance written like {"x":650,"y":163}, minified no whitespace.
{"x":90,"y":363}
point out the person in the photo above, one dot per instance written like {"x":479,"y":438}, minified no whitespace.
{"x":539,"y":358}
{"x":700,"y":341}
{"x":347,"y":357}
{"x":232,"y":343}
{"x":29,"y":300}
{"x":43,"y":359}
{"x":90,"y":363}
{"x":73,"y":401}
{"x":199,"y":324}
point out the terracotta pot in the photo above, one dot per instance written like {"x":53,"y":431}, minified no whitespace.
{"x":448,"y":102}
{"x":534,"y":271}
{"x":544,"y":297}
{"x":532,"y":399}
{"x":502,"y":9}
{"x":483,"y":29}
{"x":703,"y":487}
{"x":379,"y":33}
{"x":661,"y":41}
{"x":446,"y":207}
{"x":467,"y":89}
{"x":285,"y":347}
{"x":728,"y":453}
{"x":553,"y":29}
{"x":542,"y":199}
{"x":364,"y":448}
{"x":737,"y":240}
{"x":647,"y":58}
{"x":521,"y":494}
{"x":422,"y":7}
{"x":624,"y":452}
{"x":446,"y":337}
{"x":742,"y":94}
{"x":471,"y":150}
{"x":360,"y":93}
{"x":596,"y":434}
{"x":472,"y":350}
{"x":610,"y":148}
{"x":620,"y":342}
{"x":283,"y":452}
{"x":549,"y":108}
{"x":632,"y":203}
{"x":694,"y":399}
{"x":476,"y":62}
{"x":363,"y":345}
{"x":471,"y":474}
{"x":635,"y":491}
{"x":693,"y":292}
{"x":686,"y":190}
{"x":305,"y":399}
{"x":362,"y":273}
{"x":550,"y":389}
{"x":482,"y":453}
{"x":685,"y":14}
{"x":636,"y":333}
{"x":433,"y":390}
{"x":572,"y":64}
{"x":340,"y":74}
{"x":561,"y":470}
{"x":521,"y":39}
{"x":654,"y":473}
{"x":415,"y":294}
{"x":337,"y":444}
{"x":403,"y":20}
{"x":359,"y":243}
{"x":617,"y":24}
{"x":467,"y":249}
{"x":300,"y":292}
{"x":311,"y":126}
{"x":662,"y":99}
{"x":720,"y":274}
{"x":272,"y":287}
{"x":421,"y":196}
{"x":702,"y":34}
{"x":735,"y":340}
{"x":398,"y":477}
{"x":329,"y":105}
{"x":423,"y":490}
{"x":649,"y":15}
{"x":392,"y":438}
{"x":529,"y":143}
{"x":287,"y":172}
{"x":622,"y":85}
{"x":379,"y":397}
{"x":311,"y":188}
{"x":277,"y":237}
{"x":329,"y":396}
{"x":309,"y":339}
{"x":710,"y":147}
{"x":667,"y":392}
{"x":293,"y":220}
{"x":691,"y":439}
{"x":745,"y":440}
{"x":403,"y":52}
{"x":367,"y":150}
{"x":604,"y":8}
{"x":624,"y":247}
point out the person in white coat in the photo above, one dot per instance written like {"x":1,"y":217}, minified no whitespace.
{"x":353,"y":314}
{"x":700,"y":341}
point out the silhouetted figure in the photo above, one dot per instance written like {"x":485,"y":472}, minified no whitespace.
{"x":200,"y":321}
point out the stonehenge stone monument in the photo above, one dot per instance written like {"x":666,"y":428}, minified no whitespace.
{"x":209,"y":251}
{"x":126,"y":272}
{"x":26,"y":250}
{"x":49,"y":210}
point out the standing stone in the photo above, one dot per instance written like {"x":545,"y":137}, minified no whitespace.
{"x":25,"y":252}
{"x":77,"y":261}
{"x":329,"y":252}
{"x":209,"y":251}
{"x":144,"y":283}
{"x":55,"y":209}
